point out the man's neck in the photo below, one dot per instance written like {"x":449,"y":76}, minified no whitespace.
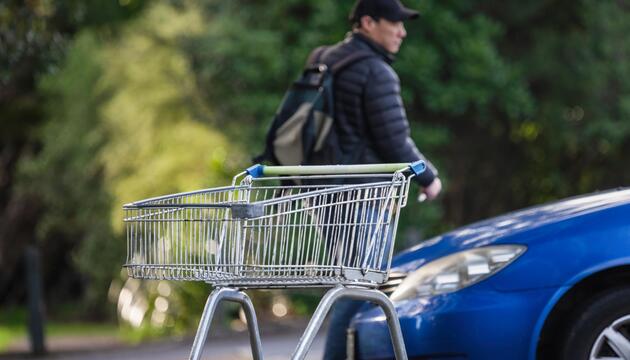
{"x":359,"y":33}
{"x":365,"y":35}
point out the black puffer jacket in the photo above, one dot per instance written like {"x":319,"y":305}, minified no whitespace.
{"x":369,"y":114}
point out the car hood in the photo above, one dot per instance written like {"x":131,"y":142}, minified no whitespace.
{"x":516,"y":227}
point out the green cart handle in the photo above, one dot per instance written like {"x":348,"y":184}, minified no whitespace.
{"x":258,"y":170}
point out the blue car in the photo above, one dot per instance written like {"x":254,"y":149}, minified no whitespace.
{"x":547,"y":282}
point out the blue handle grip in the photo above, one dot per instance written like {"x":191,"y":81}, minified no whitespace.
{"x":256,"y":171}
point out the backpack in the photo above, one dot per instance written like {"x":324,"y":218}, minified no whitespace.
{"x":302,"y":131}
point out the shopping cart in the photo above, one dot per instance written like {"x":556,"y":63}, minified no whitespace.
{"x":277,"y":227}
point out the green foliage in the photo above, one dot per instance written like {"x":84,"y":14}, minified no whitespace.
{"x":305,"y":301}
{"x":245,"y":57}
{"x":452,"y":64}
{"x":64,"y":176}
{"x":125,"y":124}
{"x":34,"y":39}
{"x":12,"y":325}
{"x":576,"y":74}
{"x":163,"y":137}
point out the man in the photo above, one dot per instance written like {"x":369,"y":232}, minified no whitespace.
{"x":369,"y":114}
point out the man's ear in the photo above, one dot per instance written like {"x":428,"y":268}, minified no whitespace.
{"x":367,"y":22}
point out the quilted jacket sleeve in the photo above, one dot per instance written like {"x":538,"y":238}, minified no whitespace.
{"x":387,"y":121}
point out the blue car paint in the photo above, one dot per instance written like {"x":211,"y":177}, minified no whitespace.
{"x":433,"y":326}
{"x":566,"y":242}
{"x":561,"y":291}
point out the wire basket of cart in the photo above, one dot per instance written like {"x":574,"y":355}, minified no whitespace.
{"x":276,"y":227}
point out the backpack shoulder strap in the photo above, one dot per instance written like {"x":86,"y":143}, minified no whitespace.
{"x":350,"y":59}
{"x":316,"y":55}
{"x":355,"y":56}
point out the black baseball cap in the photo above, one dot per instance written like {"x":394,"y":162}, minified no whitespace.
{"x":391,"y":10}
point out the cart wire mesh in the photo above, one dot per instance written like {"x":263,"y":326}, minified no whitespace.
{"x":285,"y":231}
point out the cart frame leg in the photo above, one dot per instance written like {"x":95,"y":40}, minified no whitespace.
{"x":339,"y":292}
{"x":233,"y":295}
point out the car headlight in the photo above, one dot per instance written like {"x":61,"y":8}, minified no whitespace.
{"x":456,"y":271}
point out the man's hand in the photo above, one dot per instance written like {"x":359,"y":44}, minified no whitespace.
{"x":432,"y":191}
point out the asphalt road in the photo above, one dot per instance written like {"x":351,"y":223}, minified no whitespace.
{"x":275,"y":347}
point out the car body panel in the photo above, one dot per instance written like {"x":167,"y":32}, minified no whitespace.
{"x":432,"y":327}
{"x":561,"y":291}
{"x":502,"y":316}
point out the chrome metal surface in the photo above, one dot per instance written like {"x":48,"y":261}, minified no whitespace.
{"x":613,"y":343}
{"x":233,"y":295}
{"x":339,"y":292}
{"x":266,"y":232}
{"x":329,"y":230}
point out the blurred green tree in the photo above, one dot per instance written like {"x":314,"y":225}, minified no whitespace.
{"x":66,"y":182}
{"x":562,"y":131}
{"x":123,"y":124}
{"x":34,"y":36}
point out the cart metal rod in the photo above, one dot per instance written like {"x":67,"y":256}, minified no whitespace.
{"x":179,"y":206}
{"x":339,"y":292}
{"x":234,"y":295}
{"x":177,"y":195}
{"x":319,"y":177}
{"x":263,"y":170}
